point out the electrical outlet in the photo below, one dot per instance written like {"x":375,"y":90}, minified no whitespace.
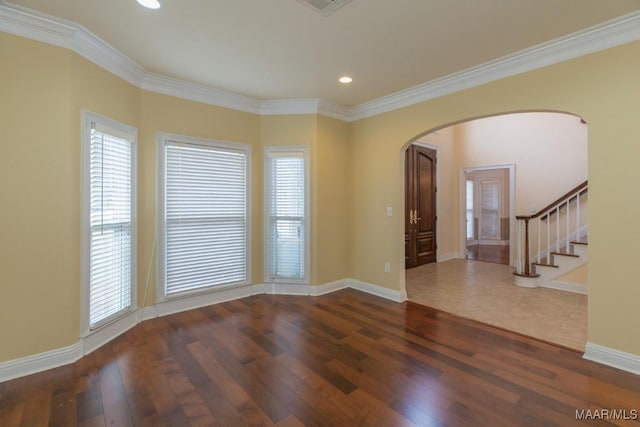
{"x":389,"y":211}
{"x":387,"y":267}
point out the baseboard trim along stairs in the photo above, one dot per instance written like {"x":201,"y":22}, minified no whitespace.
{"x":545,"y":274}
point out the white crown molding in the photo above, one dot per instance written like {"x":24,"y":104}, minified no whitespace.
{"x":304,"y":106}
{"x":199,"y":93}
{"x":106,"y":56}
{"x":609,"y":34}
{"x":336,"y":111}
{"x":275,"y":107}
{"x":34,"y":25}
{"x":611,"y":357}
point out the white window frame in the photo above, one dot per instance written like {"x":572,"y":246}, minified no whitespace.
{"x":270,"y":152}
{"x":163,"y":140}
{"x":111,"y":327}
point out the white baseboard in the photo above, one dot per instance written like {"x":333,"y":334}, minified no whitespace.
{"x":566,"y":286}
{"x":147,"y":313}
{"x":487,"y":242}
{"x":302,"y":289}
{"x":614,"y":358}
{"x":178,"y":304}
{"x":448,"y":256}
{"x":100,"y":337}
{"x":286,"y":289}
{"x":40,"y":362}
{"x":390,"y":294}
{"x":327,"y":288}
{"x":63,"y":356}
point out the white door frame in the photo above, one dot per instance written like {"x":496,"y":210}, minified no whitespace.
{"x":511,"y":167}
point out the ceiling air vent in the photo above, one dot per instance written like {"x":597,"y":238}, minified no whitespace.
{"x":325,"y":7}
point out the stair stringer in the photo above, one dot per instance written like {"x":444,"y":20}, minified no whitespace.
{"x":563,"y":264}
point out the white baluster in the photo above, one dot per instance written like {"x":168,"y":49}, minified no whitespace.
{"x":578,"y":217}
{"x":566,"y":237}
{"x":538,"y":224}
{"x":517,"y":231}
{"x":548,"y":235}
{"x":557,"y":228}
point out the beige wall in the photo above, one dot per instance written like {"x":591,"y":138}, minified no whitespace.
{"x":602,"y":88}
{"x":40,"y":204}
{"x":549,"y":151}
{"x":333,"y":198}
{"x":44,"y":88}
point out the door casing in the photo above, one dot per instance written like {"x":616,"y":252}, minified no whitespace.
{"x":420,"y":205}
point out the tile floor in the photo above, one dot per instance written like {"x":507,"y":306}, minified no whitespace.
{"x":485,"y":292}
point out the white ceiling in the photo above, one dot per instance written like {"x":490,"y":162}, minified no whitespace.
{"x":280,"y":49}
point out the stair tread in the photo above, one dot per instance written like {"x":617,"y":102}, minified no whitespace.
{"x":579,"y":243}
{"x":565,"y":254}
{"x":542,"y":264}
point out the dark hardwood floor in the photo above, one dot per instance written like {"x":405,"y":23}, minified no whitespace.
{"x":498,"y":254}
{"x":343,"y":359}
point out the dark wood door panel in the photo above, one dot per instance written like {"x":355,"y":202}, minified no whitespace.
{"x":420,"y":206}
{"x":426,"y":245}
{"x":425,"y":189}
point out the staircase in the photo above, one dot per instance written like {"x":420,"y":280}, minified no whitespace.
{"x":553,"y":242}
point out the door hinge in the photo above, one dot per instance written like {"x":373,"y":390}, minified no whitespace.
{"x":436,"y":217}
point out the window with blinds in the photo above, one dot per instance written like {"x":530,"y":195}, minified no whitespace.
{"x":111,"y":207}
{"x":489,"y":210}
{"x":287,"y":206}
{"x":204,"y":214}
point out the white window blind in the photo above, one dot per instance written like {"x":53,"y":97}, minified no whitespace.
{"x":111,"y":224}
{"x":490,"y":210}
{"x":205,"y":216}
{"x":286,"y":201}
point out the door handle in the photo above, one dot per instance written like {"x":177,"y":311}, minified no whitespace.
{"x":413,"y":217}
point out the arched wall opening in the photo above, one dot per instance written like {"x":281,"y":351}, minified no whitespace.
{"x":533,"y":158}
{"x":545,"y":151}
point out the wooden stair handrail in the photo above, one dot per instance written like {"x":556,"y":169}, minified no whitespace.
{"x":566,"y":198}
{"x":579,"y":188}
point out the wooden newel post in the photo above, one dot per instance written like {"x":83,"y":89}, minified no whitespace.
{"x":526,"y":247}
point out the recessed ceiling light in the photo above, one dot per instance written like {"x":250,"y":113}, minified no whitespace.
{"x":345,"y":79}
{"x":150,"y":4}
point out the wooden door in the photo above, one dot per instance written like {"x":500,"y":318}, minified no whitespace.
{"x":420,"y":206}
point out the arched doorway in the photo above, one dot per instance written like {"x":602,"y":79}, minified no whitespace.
{"x":547,"y":154}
